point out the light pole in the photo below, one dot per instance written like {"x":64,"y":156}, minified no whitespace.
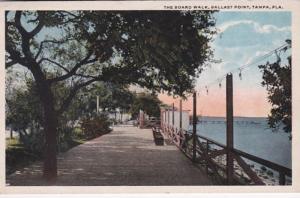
{"x":97,"y":105}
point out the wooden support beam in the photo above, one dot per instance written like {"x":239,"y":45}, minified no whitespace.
{"x":281,"y":178}
{"x":248,"y":170}
{"x":229,"y":129}
{"x":161,"y":119}
{"x":168,"y":114}
{"x":180,"y":114}
{"x":216,"y":153}
{"x":173,"y":114}
{"x":194,"y":124}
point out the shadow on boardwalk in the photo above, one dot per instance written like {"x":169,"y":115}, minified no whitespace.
{"x":127,"y":156}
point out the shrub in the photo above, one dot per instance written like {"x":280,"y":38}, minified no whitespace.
{"x":65,"y":137}
{"x":33,"y":141}
{"x":95,"y":126}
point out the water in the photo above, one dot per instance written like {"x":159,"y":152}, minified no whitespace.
{"x":251,"y":135}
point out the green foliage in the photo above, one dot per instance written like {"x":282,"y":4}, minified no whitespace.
{"x":17,"y":157}
{"x":148,"y":103}
{"x":95,"y":126}
{"x":277,"y":80}
{"x":159,"y":50}
{"x":23,"y":109}
{"x":111,"y":97}
{"x":66,"y":51}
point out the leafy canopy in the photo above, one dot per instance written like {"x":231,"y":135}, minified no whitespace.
{"x":149,"y":103}
{"x":159,"y":50}
{"x":277,"y":80}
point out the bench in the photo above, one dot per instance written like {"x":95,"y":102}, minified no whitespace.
{"x":158,"y":138}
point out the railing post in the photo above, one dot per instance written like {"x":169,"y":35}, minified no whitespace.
{"x":168,"y":121}
{"x":173,"y":131}
{"x":173,"y":109}
{"x":165,"y":120}
{"x":161,"y":119}
{"x":281,"y":178}
{"x":180,"y":114}
{"x":194,"y":124}
{"x":168,"y":114}
{"x":206,"y":152}
{"x":229,"y":129}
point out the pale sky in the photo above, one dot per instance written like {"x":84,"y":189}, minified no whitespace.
{"x":243,"y":37}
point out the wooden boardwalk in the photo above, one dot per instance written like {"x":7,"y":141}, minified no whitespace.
{"x":125,"y":157}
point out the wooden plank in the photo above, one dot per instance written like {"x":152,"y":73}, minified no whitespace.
{"x":253,"y":176}
{"x":264,"y":162}
{"x":212,"y":141}
{"x":216,"y":153}
{"x":194,"y":124}
{"x":173,"y":116}
{"x":229,"y":128}
{"x":259,"y":160}
{"x":281,"y":179}
{"x":180,"y":114}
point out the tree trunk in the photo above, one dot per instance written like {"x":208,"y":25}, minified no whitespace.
{"x":50,"y":126}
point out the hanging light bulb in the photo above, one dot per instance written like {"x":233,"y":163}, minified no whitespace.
{"x":206,"y":90}
{"x":240,"y":74}
{"x":220,"y":84}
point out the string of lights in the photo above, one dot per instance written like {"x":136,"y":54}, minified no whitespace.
{"x":240,"y":69}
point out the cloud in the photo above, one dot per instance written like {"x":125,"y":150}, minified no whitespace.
{"x":263,"y":29}
{"x":257,"y":54}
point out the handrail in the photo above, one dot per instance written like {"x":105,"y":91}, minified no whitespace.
{"x":279,"y":168}
{"x":267,"y":163}
{"x":262,"y":161}
{"x":254,"y":158}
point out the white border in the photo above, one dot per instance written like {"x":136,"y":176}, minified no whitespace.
{"x":292,"y":5}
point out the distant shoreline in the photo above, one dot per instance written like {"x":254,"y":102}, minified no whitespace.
{"x":241,"y":117}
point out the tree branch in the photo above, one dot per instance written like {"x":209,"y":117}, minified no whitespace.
{"x":69,"y":13}
{"x":49,"y":41}
{"x":74,"y":69}
{"x":38,"y":28}
{"x":25,"y":36}
{"x":11,"y":63}
{"x":15,"y":57}
{"x":22,"y":31}
{"x":72,"y":94}
{"x":55,"y":63}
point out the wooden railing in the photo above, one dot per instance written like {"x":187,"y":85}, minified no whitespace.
{"x":208,"y":150}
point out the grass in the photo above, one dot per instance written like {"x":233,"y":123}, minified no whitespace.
{"x":18,"y":157}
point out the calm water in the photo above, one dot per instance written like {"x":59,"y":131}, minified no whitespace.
{"x":251,"y":135}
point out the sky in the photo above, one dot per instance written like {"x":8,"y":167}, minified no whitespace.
{"x":243,"y":37}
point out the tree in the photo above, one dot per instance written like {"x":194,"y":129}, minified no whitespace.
{"x":277,"y":80}
{"x":146,"y":102}
{"x":156,"y":50}
{"x":23,"y":109}
{"x":111,"y":97}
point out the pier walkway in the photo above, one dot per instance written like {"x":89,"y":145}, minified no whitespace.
{"x":127,"y":156}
